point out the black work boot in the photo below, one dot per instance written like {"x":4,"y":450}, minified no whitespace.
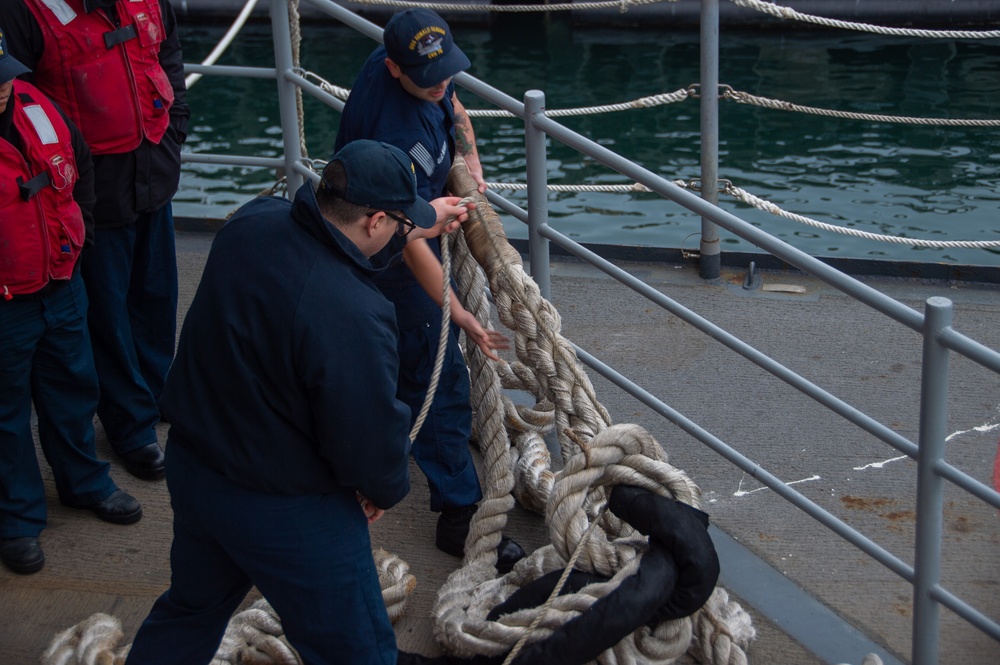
{"x":453,"y":529}
{"x":508,"y":553}
{"x":22,"y":555}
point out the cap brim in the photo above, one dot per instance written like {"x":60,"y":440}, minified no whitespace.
{"x":11,"y":68}
{"x":432,"y":73}
{"x":421,"y":213}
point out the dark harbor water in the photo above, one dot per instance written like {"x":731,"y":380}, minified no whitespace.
{"x":927,"y":182}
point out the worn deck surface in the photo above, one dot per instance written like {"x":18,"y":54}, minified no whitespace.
{"x":844,"y":347}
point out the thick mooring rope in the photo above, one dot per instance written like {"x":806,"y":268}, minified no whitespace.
{"x":598,"y":455}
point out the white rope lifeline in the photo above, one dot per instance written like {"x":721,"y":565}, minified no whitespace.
{"x":641,"y":103}
{"x":649,"y":101}
{"x":777,"y":104}
{"x":767,"y":206}
{"x":782,"y":12}
{"x":748,"y":198}
{"x":682,"y":94}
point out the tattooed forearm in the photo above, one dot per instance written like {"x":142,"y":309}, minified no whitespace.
{"x":463,"y":142}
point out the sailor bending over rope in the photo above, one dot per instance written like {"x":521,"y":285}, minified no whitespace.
{"x":286,"y":437}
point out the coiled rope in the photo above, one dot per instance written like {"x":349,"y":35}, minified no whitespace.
{"x":598,"y":455}
{"x":253,"y":636}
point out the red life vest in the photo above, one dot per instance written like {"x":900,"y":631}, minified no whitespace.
{"x":41,"y":225}
{"x":106,"y":78}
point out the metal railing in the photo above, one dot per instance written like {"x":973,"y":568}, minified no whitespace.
{"x":940,"y":340}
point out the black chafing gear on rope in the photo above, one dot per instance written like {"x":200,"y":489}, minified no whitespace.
{"x":681,"y":532}
{"x":675,"y":578}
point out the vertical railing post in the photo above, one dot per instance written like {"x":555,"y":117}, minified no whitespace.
{"x":930,"y":486}
{"x":536,"y":156}
{"x":281,"y":36}
{"x":710,"y":251}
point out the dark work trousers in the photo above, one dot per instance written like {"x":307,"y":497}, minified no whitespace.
{"x":441,"y":448}
{"x":45,"y":357}
{"x":131,"y":278}
{"x":310,"y":556}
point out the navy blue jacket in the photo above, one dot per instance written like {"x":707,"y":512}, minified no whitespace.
{"x":285,"y":374}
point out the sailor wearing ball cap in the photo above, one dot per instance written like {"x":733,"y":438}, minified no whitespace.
{"x":405,"y":96}
{"x":286,"y":438}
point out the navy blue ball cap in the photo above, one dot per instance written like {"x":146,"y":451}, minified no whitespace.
{"x":420,"y":42}
{"x":10,"y":67}
{"x":381,"y":177}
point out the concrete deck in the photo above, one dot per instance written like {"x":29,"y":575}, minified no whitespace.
{"x":773,"y":556}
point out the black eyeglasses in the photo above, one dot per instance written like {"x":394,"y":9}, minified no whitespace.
{"x":404,"y":227}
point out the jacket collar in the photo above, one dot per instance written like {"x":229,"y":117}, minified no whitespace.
{"x":305,"y":212}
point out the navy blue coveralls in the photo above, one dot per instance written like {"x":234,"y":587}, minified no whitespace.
{"x":380,"y":109}
{"x":282,"y":406}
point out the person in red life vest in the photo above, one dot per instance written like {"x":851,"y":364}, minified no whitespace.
{"x":115,"y":68}
{"x":46,"y":196}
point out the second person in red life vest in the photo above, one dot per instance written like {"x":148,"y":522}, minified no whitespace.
{"x":127,"y":98}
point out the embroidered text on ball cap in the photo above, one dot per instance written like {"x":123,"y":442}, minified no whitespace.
{"x":427,"y":42}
